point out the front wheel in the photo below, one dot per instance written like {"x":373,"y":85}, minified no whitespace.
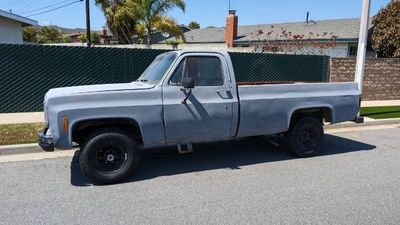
{"x":108,"y":156}
{"x":305,"y":137}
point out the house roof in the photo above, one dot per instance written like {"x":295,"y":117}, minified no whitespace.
{"x":23,"y":20}
{"x":205,"y":35}
{"x":342,"y":29}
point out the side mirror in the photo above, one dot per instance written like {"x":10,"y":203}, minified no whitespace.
{"x":188,"y":82}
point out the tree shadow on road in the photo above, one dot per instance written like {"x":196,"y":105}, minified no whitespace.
{"x":160,"y":162}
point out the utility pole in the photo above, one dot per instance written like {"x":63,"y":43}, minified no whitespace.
{"x":362,"y":44}
{"x":88,"y":41}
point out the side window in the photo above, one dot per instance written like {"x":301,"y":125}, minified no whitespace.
{"x":176,"y":77}
{"x":206,"y":71}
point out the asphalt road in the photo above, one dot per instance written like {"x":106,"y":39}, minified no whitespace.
{"x":356,"y":180}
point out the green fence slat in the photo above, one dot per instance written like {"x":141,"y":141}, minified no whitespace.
{"x":261,"y":67}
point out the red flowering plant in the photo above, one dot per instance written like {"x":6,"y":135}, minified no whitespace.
{"x":289,"y":43}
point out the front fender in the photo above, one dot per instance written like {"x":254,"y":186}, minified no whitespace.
{"x":143,"y":106}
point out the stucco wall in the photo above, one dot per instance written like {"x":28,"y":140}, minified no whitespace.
{"x":339,"y":51}
{"x":10,"y":31}
{"x":381,"y":79}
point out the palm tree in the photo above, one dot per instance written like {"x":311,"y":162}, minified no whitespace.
{"x":120,"y":23}
{"x":151,"y":15}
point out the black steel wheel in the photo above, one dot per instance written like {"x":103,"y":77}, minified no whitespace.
{"x":305,"y":137}
{"x":109,"y":156}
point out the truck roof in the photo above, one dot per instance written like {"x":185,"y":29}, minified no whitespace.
{"x":200,"y":51}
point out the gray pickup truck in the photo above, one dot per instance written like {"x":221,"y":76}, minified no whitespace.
{"x":187,"y":97}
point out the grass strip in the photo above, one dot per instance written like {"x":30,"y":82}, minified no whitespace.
{"x":381,"y":112}
{"x":19,"y":133}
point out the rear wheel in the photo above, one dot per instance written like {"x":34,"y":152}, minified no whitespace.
{"x":108,"y":156}
{"x":305,"y":137}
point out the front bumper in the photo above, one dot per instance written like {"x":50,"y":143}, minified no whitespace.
{"x":45,"y":141}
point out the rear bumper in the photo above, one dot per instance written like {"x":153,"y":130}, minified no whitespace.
{"x":45,"y":141}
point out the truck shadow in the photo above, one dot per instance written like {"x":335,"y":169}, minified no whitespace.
{"x":166,"y":161}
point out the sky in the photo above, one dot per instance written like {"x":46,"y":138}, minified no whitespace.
{"x":205,"y":12}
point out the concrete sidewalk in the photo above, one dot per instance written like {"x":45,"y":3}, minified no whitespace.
{"x":380,"y":103}
{"x":16,"y":118}
{"x":38,"y":117}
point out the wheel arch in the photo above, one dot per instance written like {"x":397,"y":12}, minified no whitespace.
{"x":322,"y":112}
{"x":80,"y":129}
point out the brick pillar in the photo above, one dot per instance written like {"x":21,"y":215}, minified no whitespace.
{"x":231,"y":28}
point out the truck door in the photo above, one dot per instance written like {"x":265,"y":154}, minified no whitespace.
{"x":207,"y":114}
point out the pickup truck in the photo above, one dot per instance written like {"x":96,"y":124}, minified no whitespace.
{"x":187,"y":97}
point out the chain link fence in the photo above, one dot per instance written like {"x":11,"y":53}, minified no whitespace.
{"x":27,"y":72}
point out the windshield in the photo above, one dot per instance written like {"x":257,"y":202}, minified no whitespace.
{"x":157,"y":68}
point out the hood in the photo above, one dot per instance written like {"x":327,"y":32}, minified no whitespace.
{"x":56,"y":92}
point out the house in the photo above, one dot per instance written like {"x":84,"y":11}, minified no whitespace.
{"x":105,"y":37}
{"x":158,"y":37}
{"x":336,"y":38}
{"x":11,"y":27}
{"x":74,"y":37}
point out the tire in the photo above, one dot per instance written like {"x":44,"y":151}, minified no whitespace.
{"x":305,"y":137}
{"x":108,"y":156}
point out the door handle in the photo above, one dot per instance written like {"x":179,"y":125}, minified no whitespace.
{"x":225,"y":94}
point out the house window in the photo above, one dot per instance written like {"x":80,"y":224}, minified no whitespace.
{"x":353,"y":49}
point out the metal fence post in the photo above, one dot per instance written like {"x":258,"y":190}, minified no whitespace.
{"x":362,"y":44}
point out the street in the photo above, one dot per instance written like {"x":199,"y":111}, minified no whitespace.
{"x":355,"y":180}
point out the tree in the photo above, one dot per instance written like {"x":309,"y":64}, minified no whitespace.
{"x":386,"y":31}
{"x":151,"y":15}
{"x":94,"y":36}
{"x":194,"y":25}
{"x":49,"y":35}
{"x":66,"y":39}
{"x":120,"y":23}
{"x":30,"y":34}
{"x":82,"y":38}
{"x":128,"y":17}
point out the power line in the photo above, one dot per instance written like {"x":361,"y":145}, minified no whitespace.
{"x":50,"y":10}
{"x":45,"y":7}
{"x":28,"y":4}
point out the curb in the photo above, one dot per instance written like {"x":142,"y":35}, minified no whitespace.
{"x":24,"y":149}
{"x":19,"y":149}
{"x":35,"y":148}
{"x":365,"y":124}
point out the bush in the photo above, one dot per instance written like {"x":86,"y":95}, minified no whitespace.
{"x":386,"y":31}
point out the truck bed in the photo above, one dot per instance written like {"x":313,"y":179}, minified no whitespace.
{"x":267,"y":109}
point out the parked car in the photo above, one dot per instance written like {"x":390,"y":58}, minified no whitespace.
{"x":187,"y":97}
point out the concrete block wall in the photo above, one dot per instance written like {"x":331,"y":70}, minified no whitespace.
{"x":381,"y":79}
